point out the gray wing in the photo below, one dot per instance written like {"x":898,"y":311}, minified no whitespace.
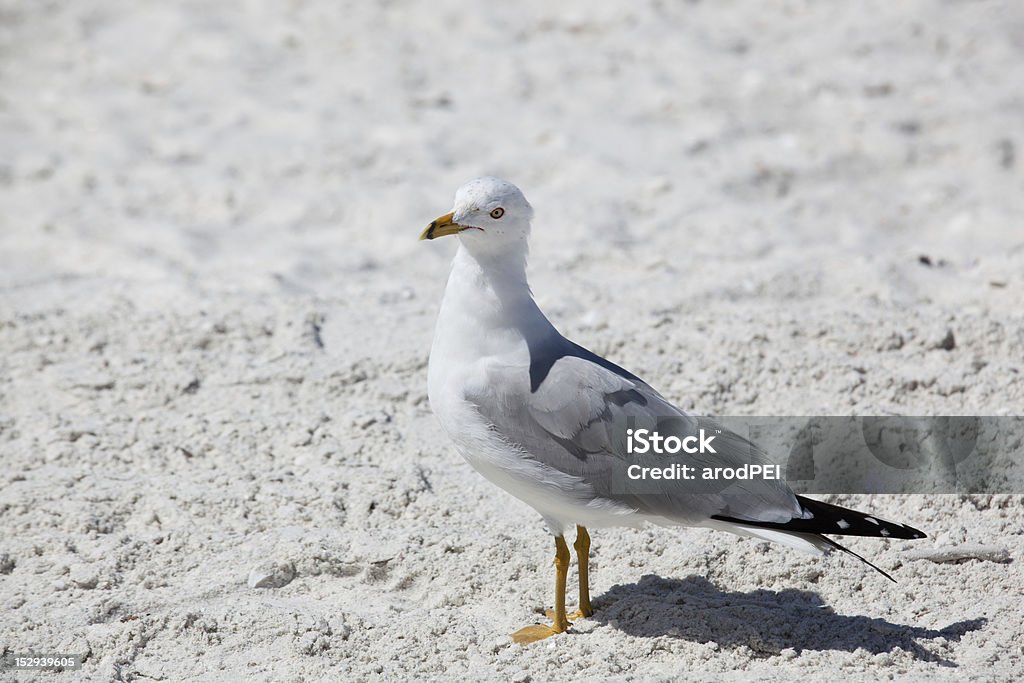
{"x":574,"y":421}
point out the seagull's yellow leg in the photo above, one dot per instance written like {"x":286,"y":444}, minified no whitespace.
{"x":532,"y":634}
{"x":582,"y":546}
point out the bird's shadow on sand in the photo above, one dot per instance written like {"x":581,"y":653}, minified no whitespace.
{"x":766,"y":621}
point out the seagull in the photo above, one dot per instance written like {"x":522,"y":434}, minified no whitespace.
{"x":536,"y":414}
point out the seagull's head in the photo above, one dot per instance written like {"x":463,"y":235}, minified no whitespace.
{"x":490,"y":216}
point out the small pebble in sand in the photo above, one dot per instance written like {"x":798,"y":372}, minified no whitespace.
{"x":271,"y":575}
{"x":947,"y":343}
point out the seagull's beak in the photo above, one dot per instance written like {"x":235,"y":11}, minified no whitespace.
{"x":439,"y":227}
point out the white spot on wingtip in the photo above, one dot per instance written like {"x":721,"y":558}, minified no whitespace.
{"x":885,"y":532}
{"x":872,"y":520}
{"x":843,"y":524}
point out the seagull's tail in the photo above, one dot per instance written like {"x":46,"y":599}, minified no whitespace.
{"x":813,"y":544}
{"x":805,"y":532}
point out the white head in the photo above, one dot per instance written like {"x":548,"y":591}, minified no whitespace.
{"x":490,"y":216}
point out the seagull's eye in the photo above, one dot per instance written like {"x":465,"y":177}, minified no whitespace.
{"x":497,"y":213}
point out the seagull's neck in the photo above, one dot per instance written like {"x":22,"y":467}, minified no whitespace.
{"x":490,"y":292}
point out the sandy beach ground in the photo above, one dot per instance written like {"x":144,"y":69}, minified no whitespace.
{"x":219,"y":462}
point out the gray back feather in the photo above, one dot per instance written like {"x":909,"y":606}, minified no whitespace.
{"x":574,"y":417}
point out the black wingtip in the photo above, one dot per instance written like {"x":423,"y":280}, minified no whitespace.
{"x":823,"y":518}
{"x":826,"y":518}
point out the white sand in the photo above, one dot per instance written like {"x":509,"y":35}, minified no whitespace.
{"x":215,"y":320}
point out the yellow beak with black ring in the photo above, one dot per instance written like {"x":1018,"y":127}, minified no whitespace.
{"x":441,"y":227}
